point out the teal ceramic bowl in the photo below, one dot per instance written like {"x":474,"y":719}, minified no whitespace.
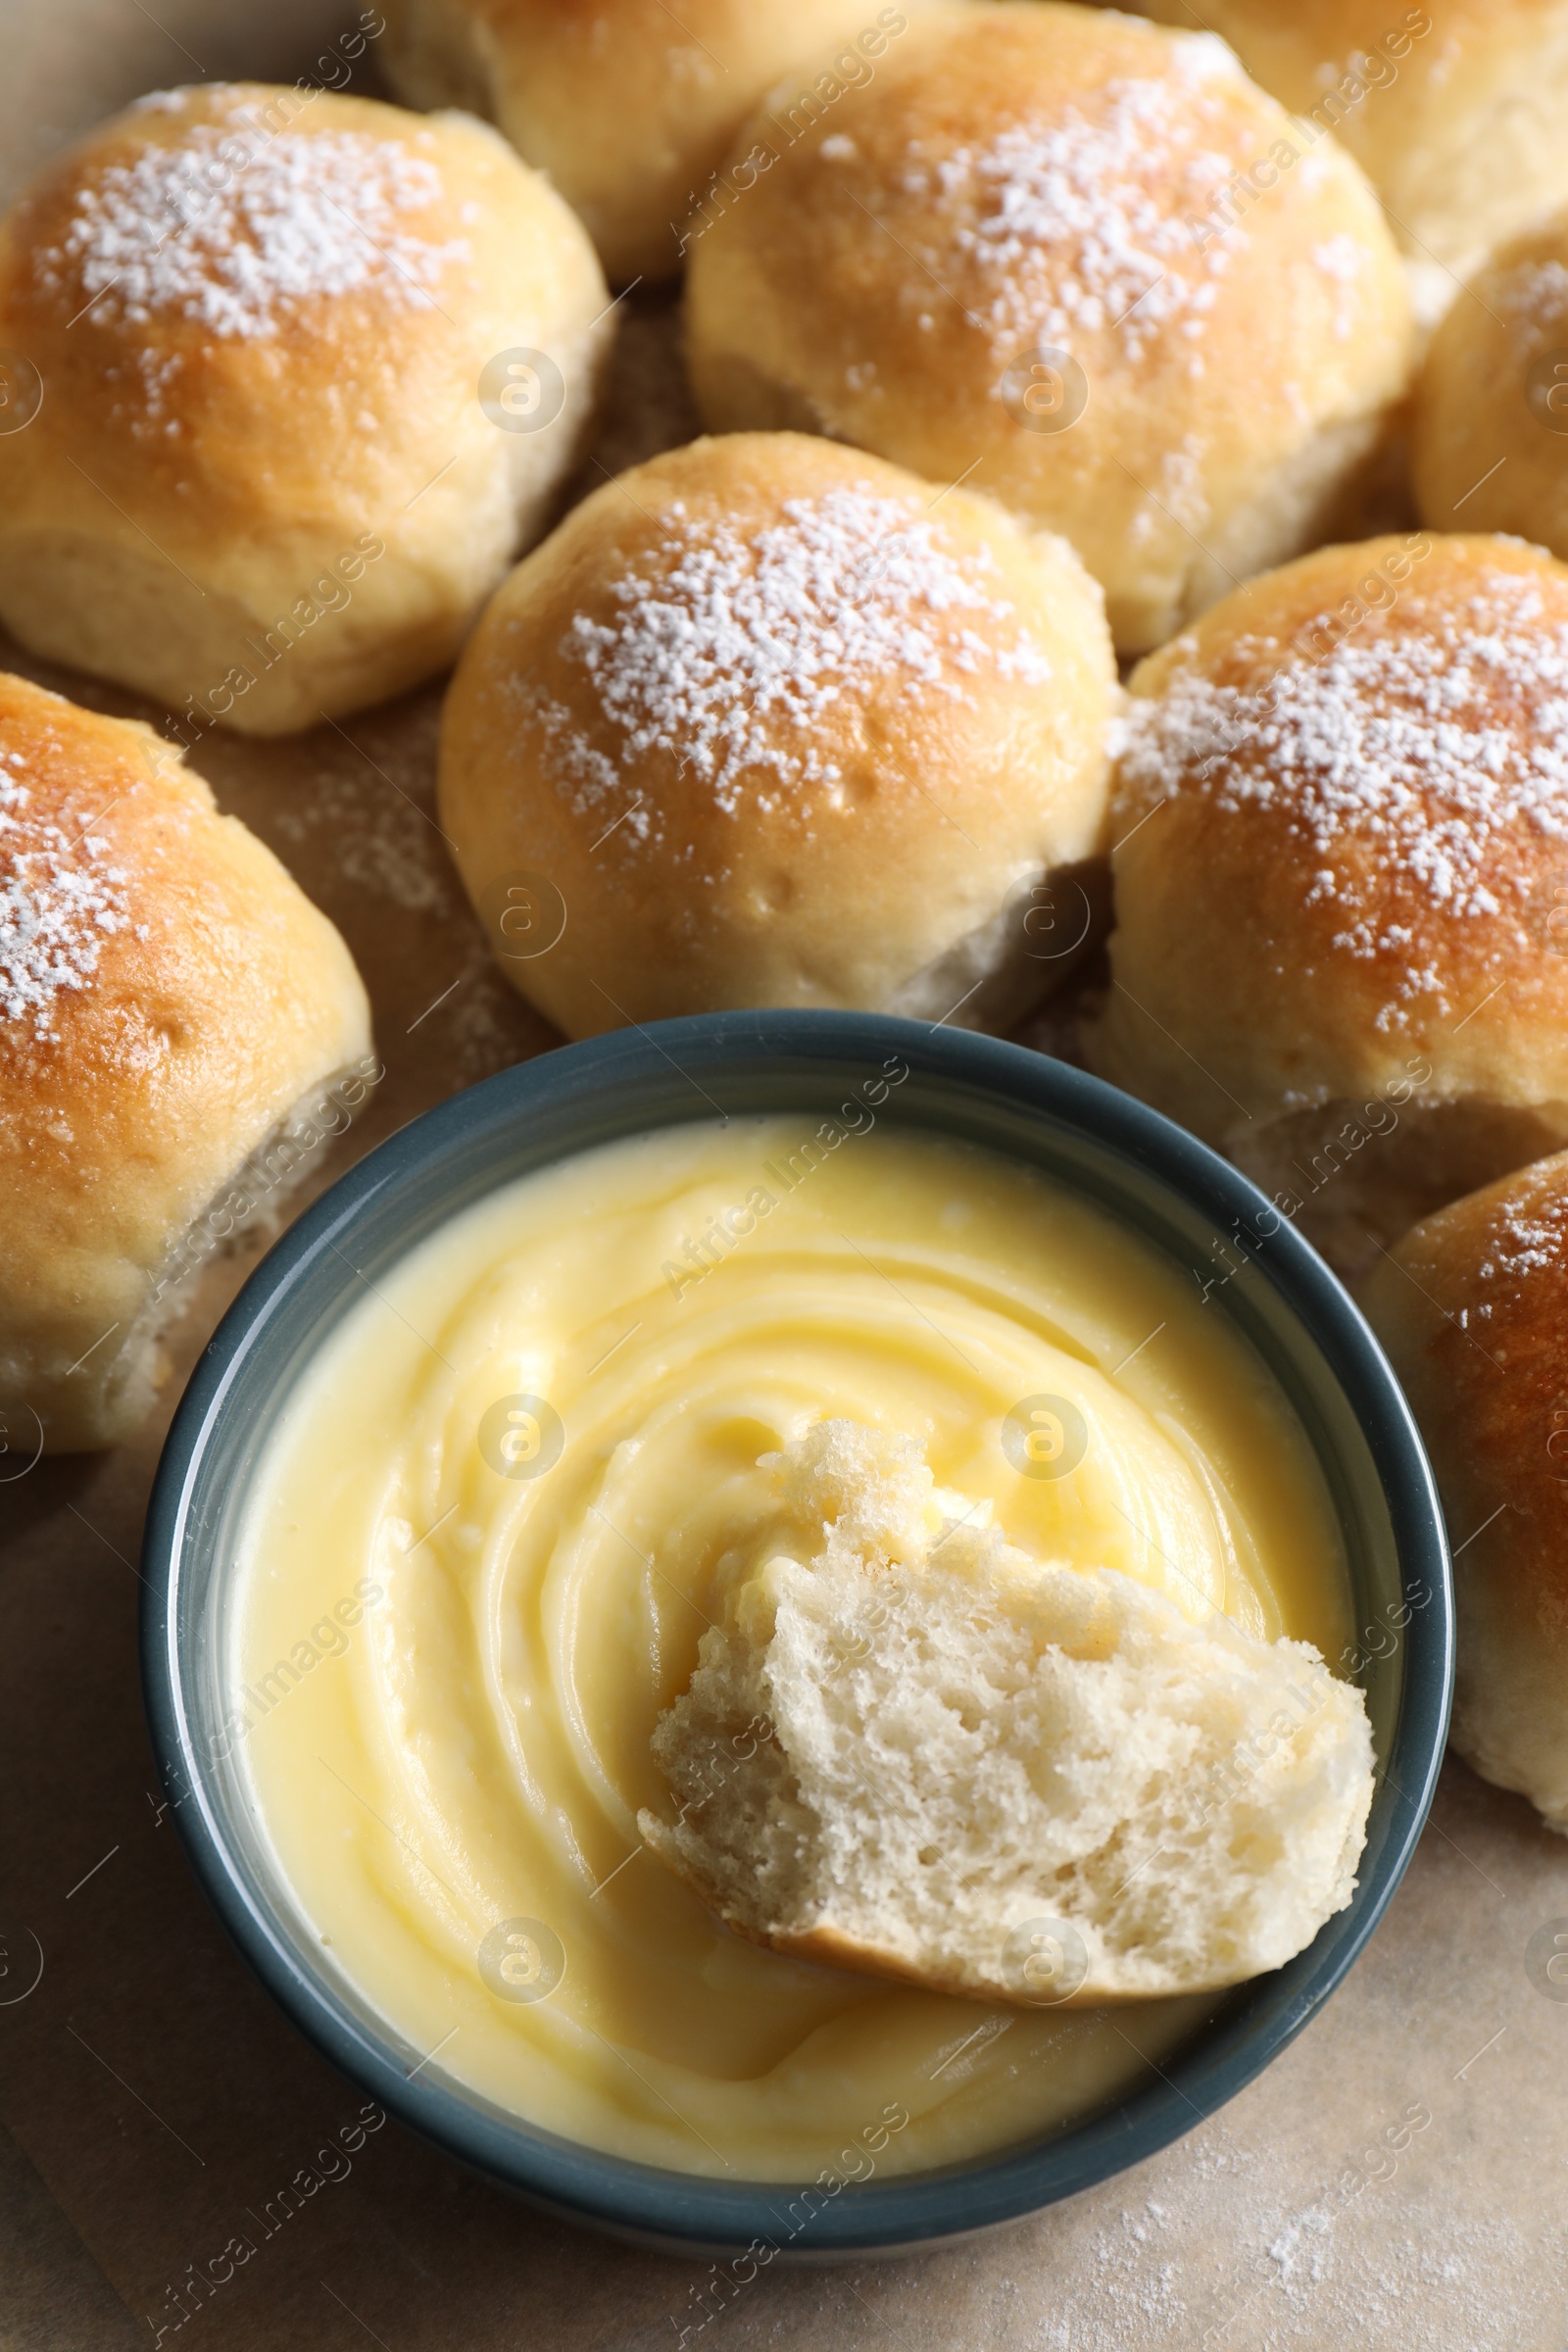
{"x":1129,"y":1162}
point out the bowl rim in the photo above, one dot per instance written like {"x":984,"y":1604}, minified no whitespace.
{"x":698,"y":2213}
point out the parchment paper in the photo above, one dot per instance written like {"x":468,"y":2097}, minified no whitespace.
{"x":151,"y":2097}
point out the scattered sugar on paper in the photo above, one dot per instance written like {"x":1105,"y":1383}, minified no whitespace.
{"x":385,"y":842}
{"x":1292,"y":2276}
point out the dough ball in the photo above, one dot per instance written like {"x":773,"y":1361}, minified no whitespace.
{"x":631,"y":106}
{"x":311,"y":371}
{"x":180,"y":1031}
{"x":1473,"y":1310}
{"x":1083,"y":264}
{"x":767,"y":721}
{"x":1454,"y":112}
{"x":1490,"y":441}
{"x":1340,"y":862}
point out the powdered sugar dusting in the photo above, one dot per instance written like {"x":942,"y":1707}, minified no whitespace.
{"x":1080,"y":223}
{"x":1419,"y":750}
{"x":1534,"y":297}
{"x":60,"y":899}
{"x":1529,"y":1236}
{"x":236,"y":233}
{"x":1344,"y":261}
{"x":729,"y":652}
{"x":1300,"y":2277}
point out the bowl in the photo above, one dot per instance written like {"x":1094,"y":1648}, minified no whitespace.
{"x":1179,"y":1195}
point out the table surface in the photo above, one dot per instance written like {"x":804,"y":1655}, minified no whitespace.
{"x":1397,"y":2179}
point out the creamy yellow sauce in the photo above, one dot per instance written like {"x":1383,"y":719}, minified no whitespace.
{"x":481,"y":1553}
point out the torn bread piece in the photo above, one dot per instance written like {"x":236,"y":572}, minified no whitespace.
{"x":915,"y":1751}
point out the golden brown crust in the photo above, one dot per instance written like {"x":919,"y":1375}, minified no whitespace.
{"x":732,"y":813}
{"x":1491,"y":406}
{"x":1454,"y":111}
{"x":1477,"y":1312}
{"x":830,"y":1947}
{"x":1473,"y":1310}
{"x":1050,"y":177}
{"x":825,"y":1947}
{"x":630,"y":106}
{"x":172,"y":995}
{"x":1342,"y":818}
{"x":261,"y":491}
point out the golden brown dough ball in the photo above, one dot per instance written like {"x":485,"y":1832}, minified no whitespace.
{"x":1011,"y":260}
{"x":630,"y":105}
{"x":173,"y":1015}
{"x":1473,"y":1310}
{"x":1341,"y":818}
{"x":262,"y":327}
{"x":1455,"y":111}
{"x":767,"y":721}
{"x":1490,"y":441}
